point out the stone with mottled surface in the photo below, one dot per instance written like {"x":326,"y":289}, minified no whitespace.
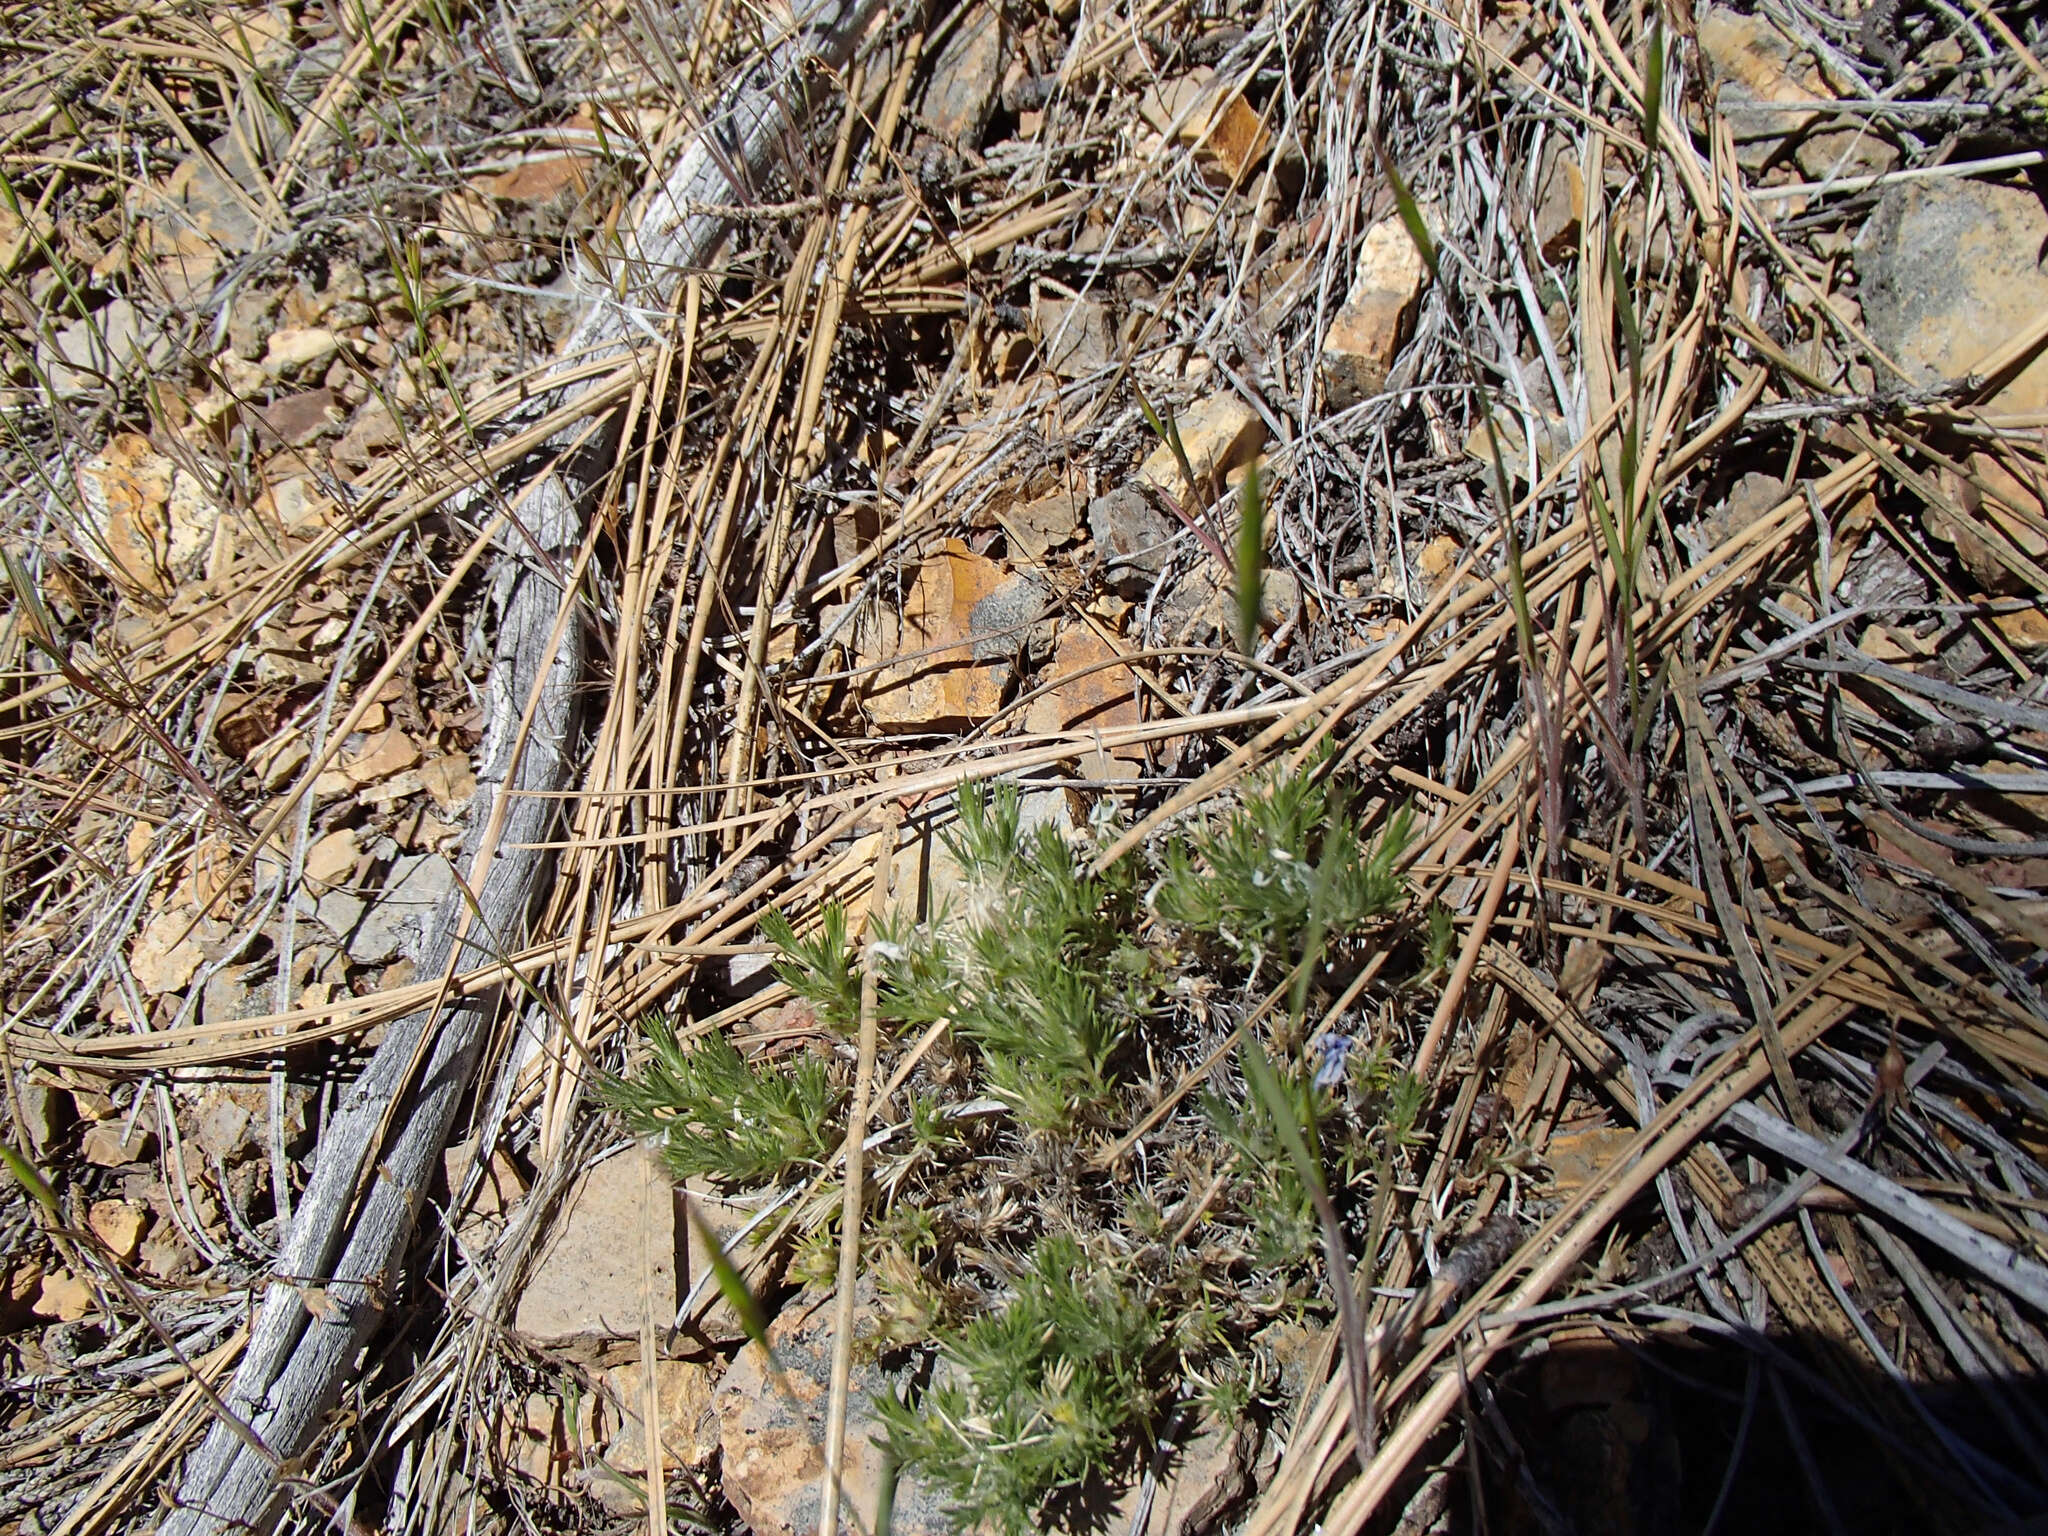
{"x":966,"y":77}
{"x":771,"y":1435}
{"x":610,"y":1258}
{"x":944,"y":661}
{"x":1951,"y":272}
{"x":1366,"y":334}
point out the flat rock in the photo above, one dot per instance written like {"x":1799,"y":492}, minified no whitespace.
{"x":119,"y":1224}
{"x":499,"y":1186}
{"x":65,"y":1297}
{"x":1217,"y":435}
{"x":1950,"y":272}
{"x":225,"y":1125}
{"x":966,"y":78}
{"x":1991,"y":497}
{"x":373,"y":431}
{"x":43,"y":1114}
{"x":687,"y":1422}
{"x":382,"y":755}
{"x":165,"y":955}
{"x":449,"y":781}
{"x":1378,"y":312}
{"x":1560,"y":204}
{"x":377,"y":930}
{"x":1577,"y":1158}
{"x":116,"y":339}
{"x":294,"y":348}
{"x":298,"y":419}
{"x":1202,"y":606}
{"x":155,"y":519}
{"x":710,"y":1318}
{"x":771,"y":1440}
{"x":236,"y":992}
{"x":547,"y":178}
{"x":936,"y":878}
{"x":958,"y":633}
{"x":1842,"y":152}
{"x":1199,"y":109}
{"x":1205,"y":1472}
{"x":107,"y":1145}
{"x":1091,"y":690}
{"x":1436,"y":560}
{"x":1554,"y":440}
{"x":1036,"y":528}
{"x":1133,"y":538}
{"x":1075,"y":335}
{"x":21,"y":1282}
{"x":1761,"y":79}
{"x":589,"y":1284}
{"x":199,"y":199}
{"x":332,"y":859}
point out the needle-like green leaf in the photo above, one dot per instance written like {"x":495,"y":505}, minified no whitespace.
{"x":1251,"y":560}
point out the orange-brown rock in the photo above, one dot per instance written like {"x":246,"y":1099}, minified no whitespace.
{"x":770,"y":1432}
{"x":1092,"y":690}
{"x":944,"y":661}
{"x":1367,"y":333}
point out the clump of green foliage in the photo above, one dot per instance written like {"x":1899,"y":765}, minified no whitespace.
{"x":1285,"y":869}
{"x":821,"y":968}
{"x":1351,"y":1117}
{"x":1064,"y":987}
{"x":1036,"y":1396}
{"x":1045,"y":973}
{"x":721,"y":1116}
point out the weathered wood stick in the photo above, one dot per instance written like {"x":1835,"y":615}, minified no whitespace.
{"x":377,"y":1155}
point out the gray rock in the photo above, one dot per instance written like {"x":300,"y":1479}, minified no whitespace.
{"x":1001,"y":622}
{"x":1133,"y":538}
{"x":222,"y":1126}
{"x":235,"y":992}
{"x":339,"y":913}
{"x":1952,"y":271}
{"x":770,"y":1440}
{"x":1038,"y":527}
{"x":1075,"y":335}
{"x":393,"y":922}
{"x":114,"y":340}
{"x":42,"y":1114}
{"x":210,"y":204}
{"x":1201,"y":607}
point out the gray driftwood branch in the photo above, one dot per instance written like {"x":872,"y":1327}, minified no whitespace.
{"x":1985,"y":1254}
{"x":337,"y":1266}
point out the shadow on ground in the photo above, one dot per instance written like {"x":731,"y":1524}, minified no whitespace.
{"x":1620,"y":1433}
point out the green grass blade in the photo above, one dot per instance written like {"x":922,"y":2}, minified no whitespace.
{"x":1168,"y":431}
{"x":733,"y":1287}
{"x":1631,"y":329}
{"x":1411,"y":211}
{"x":1518,"y":584}
{"x":1265,"y":1082}
{"x":40,"y":630}
{"x":26,"y":1175}
{"x":1653,"y":87}
{"x":1251,"y":560}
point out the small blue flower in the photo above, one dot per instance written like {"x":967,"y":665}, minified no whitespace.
{"x":1336,"y":1050}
